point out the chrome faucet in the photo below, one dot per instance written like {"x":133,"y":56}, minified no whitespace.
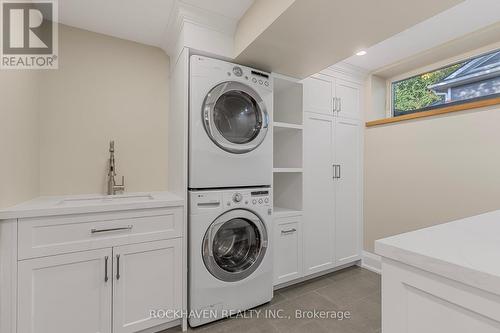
{"x":113,"y":187}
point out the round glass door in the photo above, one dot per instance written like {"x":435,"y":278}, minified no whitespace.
{"x":235,"y":117}
{"x":234,"y":245}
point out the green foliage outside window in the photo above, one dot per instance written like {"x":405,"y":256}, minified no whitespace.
{"x":412,"y":94}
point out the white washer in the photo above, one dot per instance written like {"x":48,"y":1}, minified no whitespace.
{"x":230,"y":141}
{"x":230,"y":266}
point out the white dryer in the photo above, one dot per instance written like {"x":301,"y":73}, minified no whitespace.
{"x":230,"y":266}
{"x":230,"y":141}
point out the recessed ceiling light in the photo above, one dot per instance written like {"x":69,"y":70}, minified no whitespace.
{"x":361,"y":53}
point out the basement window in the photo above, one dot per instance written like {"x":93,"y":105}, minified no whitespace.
{"x":472,"y":80}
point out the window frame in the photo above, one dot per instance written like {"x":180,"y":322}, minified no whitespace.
{"x":390,"y":112}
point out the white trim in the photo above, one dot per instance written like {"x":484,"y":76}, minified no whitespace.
{"x":348,"y":72}
{"x":161,"y":328}
{"x":182,"y":13}
{"x":313,"y":276}
{"x":8,"y":275}
{"x":371,"y":262}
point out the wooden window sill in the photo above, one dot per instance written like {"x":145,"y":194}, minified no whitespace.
{"x":435,"y":112}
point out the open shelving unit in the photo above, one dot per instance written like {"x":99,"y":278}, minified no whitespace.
{"x":287,"y":147}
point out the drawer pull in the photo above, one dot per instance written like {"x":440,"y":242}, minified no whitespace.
{"x":96,"y":231}
{"x":289,"y":231}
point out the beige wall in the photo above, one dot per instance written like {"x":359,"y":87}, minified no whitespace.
{"x":19,"y":159}
{"x":106,"y":88}
{"x":55,"y":125}
{"x":430,"y":171}
{"x":260,"y":15}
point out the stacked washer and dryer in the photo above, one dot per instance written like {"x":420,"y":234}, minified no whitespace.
{"x":230,"y":173}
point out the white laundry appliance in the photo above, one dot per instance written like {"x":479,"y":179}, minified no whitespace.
{"x":230,"y":109}
{"x":230,"y":267}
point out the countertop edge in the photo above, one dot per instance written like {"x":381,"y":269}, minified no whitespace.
{"x":20,"y":212}
{"x":470,"y":277}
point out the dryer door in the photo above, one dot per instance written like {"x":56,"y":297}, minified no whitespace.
{"x":234,"y":245}
{"x":235,"y":117}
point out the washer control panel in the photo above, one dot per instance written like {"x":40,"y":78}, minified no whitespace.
{"x":248,"y":198}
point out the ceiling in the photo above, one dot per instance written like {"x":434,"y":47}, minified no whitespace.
{"x":444,"y":27}
{"x":142,"y":21}
{"x":314,"y":34}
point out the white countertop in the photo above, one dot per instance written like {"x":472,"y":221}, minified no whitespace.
{"x":91,"y":203}
{"x":466,"y":250}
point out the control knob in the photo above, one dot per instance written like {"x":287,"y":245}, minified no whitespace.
{"x":237,"y":197}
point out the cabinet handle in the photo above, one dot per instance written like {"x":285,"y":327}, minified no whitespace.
{"x":334,"y":167}
{"x":339,"y":171}
{"x":118,"y":267}
{"x":289,"y":231}
{"x":106,"y":258}
{"x":340,"y":105}
{"x":334,"y":104}
{"x":96,"y":231}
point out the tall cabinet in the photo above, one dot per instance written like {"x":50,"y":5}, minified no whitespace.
{"x":317,"y":185}
{"x":333,"y":135}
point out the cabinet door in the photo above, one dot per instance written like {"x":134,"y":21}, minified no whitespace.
{"x":348,"y":94}
{"x":318,"y":95}
{"x":287,"y":249}
{"x":319,"y":193}
{"x":65,"y":293}
{"x":348,"y":190}
{"x":147,"y":276}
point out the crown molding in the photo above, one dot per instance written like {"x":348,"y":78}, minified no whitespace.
{"x":184,"y":13}
{"x":345,"y":68}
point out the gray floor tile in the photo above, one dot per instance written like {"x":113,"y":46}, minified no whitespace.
{"x":353,"y":289}
{"x":304,"y":287}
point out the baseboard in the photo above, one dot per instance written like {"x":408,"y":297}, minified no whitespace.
{"x":163,"y":327}
{"x":315,"y":275}
{"x":371,"y":262}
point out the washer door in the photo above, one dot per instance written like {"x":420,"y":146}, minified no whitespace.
{"x":235,"y":117}
{"x":234,"y":245}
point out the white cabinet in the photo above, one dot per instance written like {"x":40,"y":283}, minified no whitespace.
{"x":100,"y":290}
{"x":332,"y":192}
{"x":146,"y":277}
{"x":348,"y":196}
{"x":318,"y":94}
{"x":319,"y":193}
{"x":287,"y":249}
{"x":325,"y":190}
{"x":332,"y":96}
{"x":348,"y":99}
{"x":415,"y":301}
{"x":66,"y":293}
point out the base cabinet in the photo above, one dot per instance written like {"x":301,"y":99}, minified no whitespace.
{"x":108,"y":290}
{"x":416,"y":301}
{"x":65,"y":293}
{"x":287,"y":249}
{"x":147,"y":278}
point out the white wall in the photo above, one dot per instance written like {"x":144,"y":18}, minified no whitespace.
{"x":19,"y":136}
{"x":430,"y":170}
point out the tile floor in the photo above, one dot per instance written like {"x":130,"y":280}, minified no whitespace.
{"x":352,"y":289}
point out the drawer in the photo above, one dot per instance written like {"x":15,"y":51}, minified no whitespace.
{"x":38,"y":237}
{"x":287,"y":249}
